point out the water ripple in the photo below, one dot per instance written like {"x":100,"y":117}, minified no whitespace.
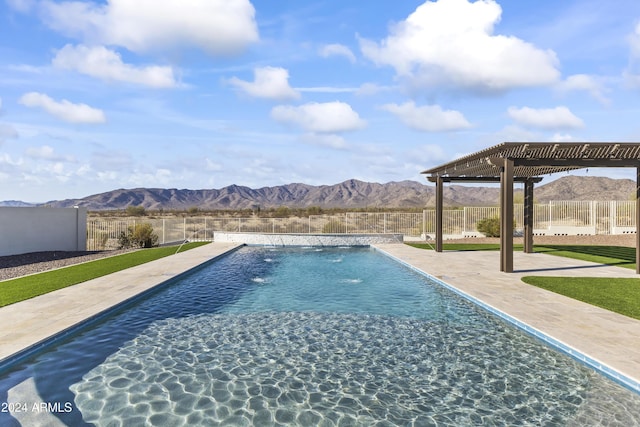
{"x":332,"y":369}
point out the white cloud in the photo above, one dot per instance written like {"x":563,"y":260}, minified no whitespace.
{"x":545,"y":118}
{"x":428,"y":154}
{"x":328,"y":117}
{"x":212,"y":166}
{"x":337,"y":50}
{"x":5,"y":159}
{"x":160,"y":176}
{"x":559,"y":137}
{"x":111,"y":161}
{"x":428,"y":118}
{"x":327,"y":89}
{"x":451,"y":42}
{"x":105,"y":64}
{"x":325,"y":140}
{"x":6,"y":132}
{"x":215,"y":26}
{"x":268,"y":82}
{"x":64,"y":110}
{"x":46,"y":152}
{"x":368,"y":89}
{"x":584,"y":82}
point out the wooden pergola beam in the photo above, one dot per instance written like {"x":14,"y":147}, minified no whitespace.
{"x":511,"y":162}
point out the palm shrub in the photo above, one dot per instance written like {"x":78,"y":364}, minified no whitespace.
{"x":138,"y":236}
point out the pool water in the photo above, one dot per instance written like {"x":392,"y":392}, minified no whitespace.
{"x":310,"y":336}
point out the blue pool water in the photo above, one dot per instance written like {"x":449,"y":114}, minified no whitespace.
{"x":309,"y":336}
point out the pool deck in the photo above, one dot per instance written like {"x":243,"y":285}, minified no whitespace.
{"x":606,"y":338}
{"x":29,"y":322}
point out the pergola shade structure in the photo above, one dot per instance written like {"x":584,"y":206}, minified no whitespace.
{"x":511,"y":162}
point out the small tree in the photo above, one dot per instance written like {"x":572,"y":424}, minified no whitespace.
{"x":140,"y":236}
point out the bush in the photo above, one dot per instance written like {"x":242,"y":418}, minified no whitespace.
{"x":135,"y":211}
{"x":333,"y":227}
{"x":490,"y":227}
{"x":139,"y":236}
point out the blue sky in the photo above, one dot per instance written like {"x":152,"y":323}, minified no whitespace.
{"x":99,"y":95}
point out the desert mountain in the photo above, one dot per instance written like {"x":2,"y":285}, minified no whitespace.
{"x":348,"y":194}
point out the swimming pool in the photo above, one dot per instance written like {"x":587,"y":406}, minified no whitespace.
{"x":310,"y":336}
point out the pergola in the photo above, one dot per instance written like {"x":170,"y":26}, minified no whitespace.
{"x":511,"y":162}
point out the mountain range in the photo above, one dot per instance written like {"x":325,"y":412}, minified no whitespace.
{"x":348,"y":194}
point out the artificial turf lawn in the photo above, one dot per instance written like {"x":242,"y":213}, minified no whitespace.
{"x":621,"y":295}
{"x":619,"y":256}
{"x":22,"y":288}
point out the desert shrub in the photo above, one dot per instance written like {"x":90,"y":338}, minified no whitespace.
{"x":333,"y":227}
{"x":490,"y":227}
{"x":135,"y":211}
{"x":138,"y":236}
{"x":282,"y":212}
{"x":102,"y":238}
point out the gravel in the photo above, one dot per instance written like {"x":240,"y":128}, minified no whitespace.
{"x":36,"y":262}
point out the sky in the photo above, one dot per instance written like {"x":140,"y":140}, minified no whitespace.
{"x":200,"y":94}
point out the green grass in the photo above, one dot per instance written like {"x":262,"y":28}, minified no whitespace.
{"x":22,"y":288}
{"x":619,"y":256}
{"x":621,"y":295}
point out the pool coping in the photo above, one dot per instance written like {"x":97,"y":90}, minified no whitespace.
{"x":622,"y":374}
{"x":35,"y":323}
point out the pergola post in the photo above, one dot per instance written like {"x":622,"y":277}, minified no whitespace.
{"x":638,"y":220}
{"x":439,"y":204}
{"x":528,"y":216}
{"x":506,"y":216}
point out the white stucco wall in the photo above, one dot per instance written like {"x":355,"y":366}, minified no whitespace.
{"x":24,"y":230}
{"x":307,"y":239}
